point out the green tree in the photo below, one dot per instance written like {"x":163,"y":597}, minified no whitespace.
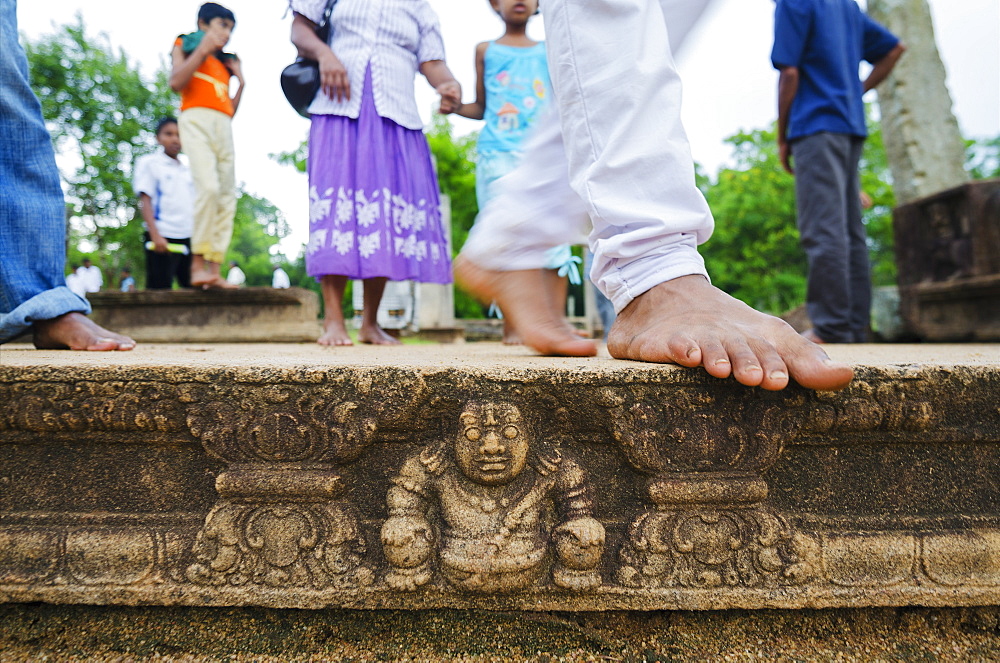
{"x":454,"y":159}
{"x":257,"y":229}
{"x":754,"y":253}
{"x":101,"y":112}
{"x":876,"y":183}
{"x":982,"y":158}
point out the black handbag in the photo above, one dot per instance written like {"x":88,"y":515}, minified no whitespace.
{"x":300,"y":80}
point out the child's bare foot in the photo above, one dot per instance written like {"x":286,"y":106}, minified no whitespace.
{"x":334,"y":333}
{"x":692,"y":323}
{"x":510,"y":335}
{"x":208,"y":281}
{"x":75,"y":331}
{"x":375,"y":335}
{"x":522,"y":297}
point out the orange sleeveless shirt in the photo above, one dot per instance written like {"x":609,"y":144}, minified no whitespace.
{"x":209,"y":87}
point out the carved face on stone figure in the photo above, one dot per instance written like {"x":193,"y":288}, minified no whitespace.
{"x":492,"y":443}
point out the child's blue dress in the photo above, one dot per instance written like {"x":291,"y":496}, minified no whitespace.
{"x":518,"y":90}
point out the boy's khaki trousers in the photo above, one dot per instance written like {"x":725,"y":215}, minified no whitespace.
{"x":207,"y":139}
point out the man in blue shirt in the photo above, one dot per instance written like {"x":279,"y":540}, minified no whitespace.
{"x":818,"y":47}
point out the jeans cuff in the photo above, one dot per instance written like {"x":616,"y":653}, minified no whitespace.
{"x":43,"y":306}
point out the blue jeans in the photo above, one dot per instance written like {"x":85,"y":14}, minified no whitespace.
{"x":827,"y":190}
{"x":32,"y":211}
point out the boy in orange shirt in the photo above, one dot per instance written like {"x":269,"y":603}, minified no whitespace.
{"x":201,"y":73}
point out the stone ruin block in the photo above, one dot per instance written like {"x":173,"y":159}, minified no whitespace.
{"x":948,"y":258}
{"x":244,"y":315}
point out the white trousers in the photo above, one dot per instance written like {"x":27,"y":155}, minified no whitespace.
{"x":612,"y":159}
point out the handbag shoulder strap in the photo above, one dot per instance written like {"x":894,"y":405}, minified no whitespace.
{"x":323,"y":29}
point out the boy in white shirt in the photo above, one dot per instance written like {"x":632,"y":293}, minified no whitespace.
{"x":166,"y":198}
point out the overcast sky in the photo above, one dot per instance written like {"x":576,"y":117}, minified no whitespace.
{"x":729,"y":83}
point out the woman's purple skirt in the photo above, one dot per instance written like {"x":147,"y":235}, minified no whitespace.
{"x":374,"y":205}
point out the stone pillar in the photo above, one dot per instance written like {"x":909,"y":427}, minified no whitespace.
{"x":924,"y":145}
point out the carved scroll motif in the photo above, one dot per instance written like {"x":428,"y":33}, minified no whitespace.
{"x":282,"y":519}
{"x":708,"y":525}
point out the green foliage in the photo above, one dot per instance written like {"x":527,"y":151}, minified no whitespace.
{"x":102,"y":113}
{"x":754,"y":253}
{"x":257,"y":229}
{"x":456,"y":168}
{"x":982,"y":158}
{"x":876,"y":183}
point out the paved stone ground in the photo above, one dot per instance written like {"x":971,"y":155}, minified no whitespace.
{"x":38,"y":632}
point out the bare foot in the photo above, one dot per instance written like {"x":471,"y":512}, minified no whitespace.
{"x":209,"y":281}
{"x":811,"y":335}
{"x":375,"y":335}
{"x":510,"y":335}
{"x":334,"y":333}
{"x":688,"y":321}
{"x":522,"y":297}
{"x":75,"y":331}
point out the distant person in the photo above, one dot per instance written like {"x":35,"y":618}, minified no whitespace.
{"x":279,"y":278}
{"x":75,"y":283}
{"x":615,"y":161}
{"x":166,"y":201}
{"x":375,"y":209}
{"x":512,"y":91}
{"x":91,"y":276}
{"x":235,"y":277}
{"x":818,"y":46}
{"x":201,"y":72}
{"x":33,"y":293}
{"x":127,"y":283}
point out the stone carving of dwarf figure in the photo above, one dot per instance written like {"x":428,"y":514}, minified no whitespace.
{"x":505,"y":509}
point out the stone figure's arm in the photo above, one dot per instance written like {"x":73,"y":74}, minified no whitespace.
{"x":407,"y":536}
{"x":572,"y":492}
{"x":407,"y":505}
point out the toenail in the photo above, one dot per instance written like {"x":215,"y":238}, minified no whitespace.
{"x":778,"y":375}
{"x":721,"y":361}
{"x":754,"y":368}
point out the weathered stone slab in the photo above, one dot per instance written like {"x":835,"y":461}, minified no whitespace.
{"x":948,"y":255}
{"x":246,"y":315}
{"x":484,"y":477}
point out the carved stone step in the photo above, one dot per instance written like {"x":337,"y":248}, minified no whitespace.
{"x":246,"y":315}
{"x":481,"y":476}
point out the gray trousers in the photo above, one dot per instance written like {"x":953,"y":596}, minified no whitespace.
{"x":827,"y":188}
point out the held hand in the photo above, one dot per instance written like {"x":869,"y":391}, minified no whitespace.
{"x":159,"y":244}
{"x":785,"y":153}
{"x":451,"y":97}
{"x":333,"y":78}
{"x":235,"y":67}
{"x":213,"y":41}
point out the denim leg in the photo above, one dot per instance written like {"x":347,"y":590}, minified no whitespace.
{"x":861,"y":271}
{"x":822,"y":179}
{"x":32,"y":211}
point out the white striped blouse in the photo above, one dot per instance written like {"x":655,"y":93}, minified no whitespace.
{"x":394,"y":37}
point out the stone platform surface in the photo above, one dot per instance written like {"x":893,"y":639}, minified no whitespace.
{"x":481,"y":476}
